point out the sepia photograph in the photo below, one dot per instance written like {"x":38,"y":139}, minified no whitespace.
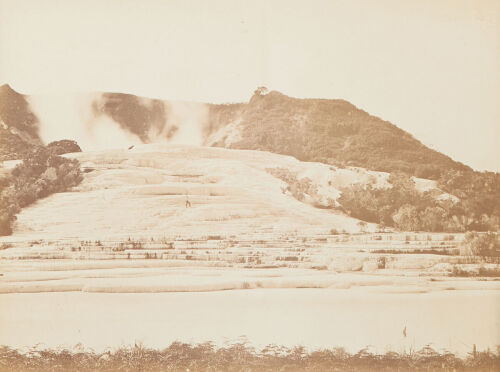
{"x":266,"y":185}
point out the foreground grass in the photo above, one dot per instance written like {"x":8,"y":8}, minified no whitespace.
{"x":240,"y":357}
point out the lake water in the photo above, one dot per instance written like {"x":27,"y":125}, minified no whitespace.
{"x":315,"y":318}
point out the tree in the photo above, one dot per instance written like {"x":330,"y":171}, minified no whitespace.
{"x":260,"y":91}
{"x":407,"y":218}
{"x":433,"y":219}
{"x":63,"y":147}
{"x":362,"y":226}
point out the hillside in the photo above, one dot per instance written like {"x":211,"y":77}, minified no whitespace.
{"x":143,"y":191}
{"x":328,"y":131}
{"x":332,"y":132}
{"x":18,"y":125}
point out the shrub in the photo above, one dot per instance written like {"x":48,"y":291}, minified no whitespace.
{"x":39,"y":175}
{"x":381,"y":262}
{"x":5,"y":246}
{"x":493,"y":272}
{"x":9,"y":206}
{"x":299,"y":188}
{"x":63,"y":147}
{"x":484,"y":245}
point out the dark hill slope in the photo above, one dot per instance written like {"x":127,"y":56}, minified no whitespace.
{"x":18,"y":125}
{"x":335,"y":132}
{"x":15,"y":112}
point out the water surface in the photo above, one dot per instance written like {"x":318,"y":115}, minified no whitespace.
{"x":315,"y":318}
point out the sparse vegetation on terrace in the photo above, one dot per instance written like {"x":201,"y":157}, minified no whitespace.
{"x":443,"y":252}
{"x":492,"y":272}
{"x":298,"y":188}
{"x":483,"y":245}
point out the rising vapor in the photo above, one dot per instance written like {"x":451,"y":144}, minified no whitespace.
{"x":100,"y":121}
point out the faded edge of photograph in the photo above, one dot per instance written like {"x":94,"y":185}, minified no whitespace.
{"x":249,"y":186}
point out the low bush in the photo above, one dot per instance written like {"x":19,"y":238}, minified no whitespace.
{"x":481,"y":244}
{"x":381,"y":262}
{"x":442,"y":252}
{"x":298,"y":188}
{"x":41,"y":174}
{"x":491,"y":272}
{"x":63,"y":147}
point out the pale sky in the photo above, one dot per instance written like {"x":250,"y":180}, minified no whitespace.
{"x":429,"y":66}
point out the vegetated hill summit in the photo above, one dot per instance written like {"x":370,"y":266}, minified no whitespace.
{"x":329,"y":131}
{"x":333,"y":132}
